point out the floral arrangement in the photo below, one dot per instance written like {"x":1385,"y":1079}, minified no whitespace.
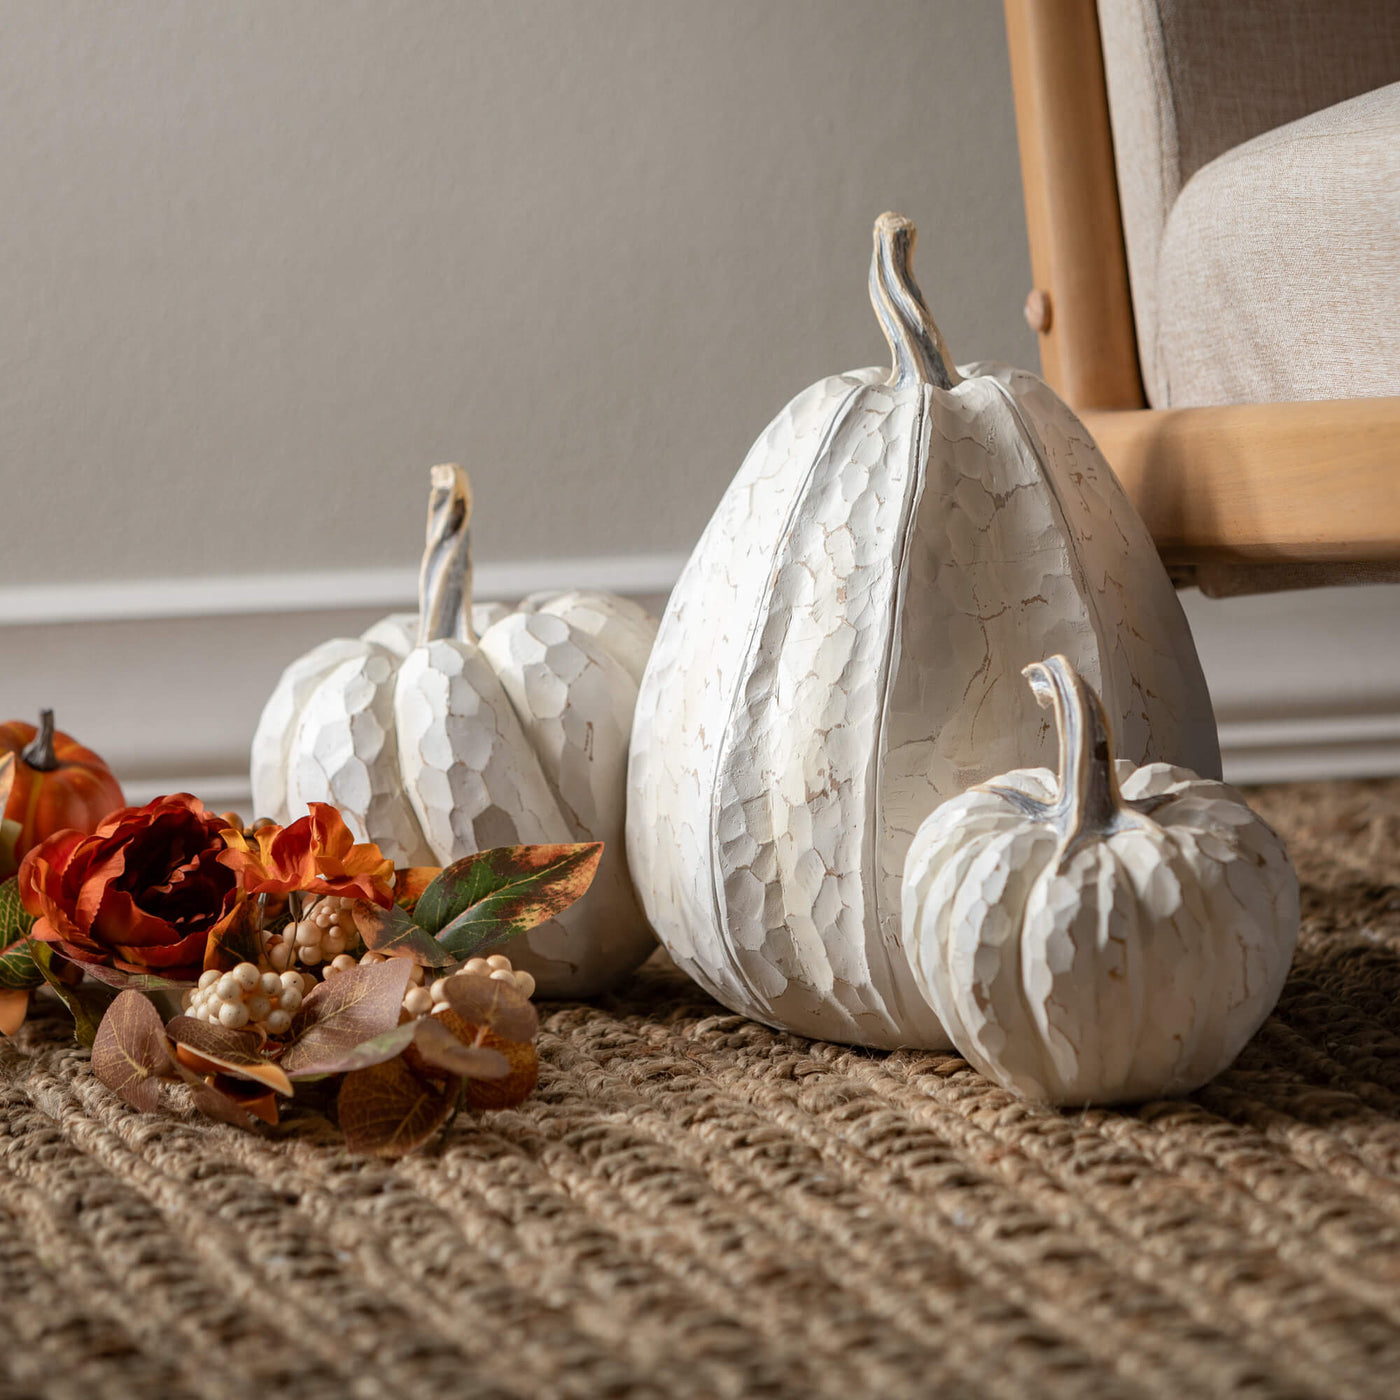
{"x":250,"y":963}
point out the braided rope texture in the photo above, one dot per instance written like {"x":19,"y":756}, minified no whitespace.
{"x":694,"y":1205}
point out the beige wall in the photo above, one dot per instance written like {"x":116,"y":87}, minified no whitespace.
{"x":261,"y":264}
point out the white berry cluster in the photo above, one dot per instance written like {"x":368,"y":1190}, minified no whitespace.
{"x":419,"y":999}
{"x":246,"y":996}
{"x":497,"y":966}
{"x":324,"y":934}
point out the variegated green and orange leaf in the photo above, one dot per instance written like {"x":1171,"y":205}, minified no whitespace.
{"x":487,"y":898}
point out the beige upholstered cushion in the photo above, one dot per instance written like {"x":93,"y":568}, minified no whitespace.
{"x":1278,"y":275}
{"x":1189,"y":80}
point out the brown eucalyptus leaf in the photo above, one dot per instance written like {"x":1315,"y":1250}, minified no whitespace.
{"x":237,"y":1051}
{"x":492,"y":1004}
{"x":86,"y":1003}
{"x":352,"y":1007}
{"x":130,"y":1052}
{"x":368,"y":1052}
{"x":393,"y":931}
{"x":437,"y":1045}
{"x":487,"y":898}
{"x":14,"y":1008}
{"x":234,"y":939}
{"x":387,"y":1110}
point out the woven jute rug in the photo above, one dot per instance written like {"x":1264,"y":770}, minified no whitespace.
{"x":693,"y":1205}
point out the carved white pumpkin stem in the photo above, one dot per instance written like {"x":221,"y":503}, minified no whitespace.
{"x":1089,"y":803}
{"x":920,"y":353}
{"x":445,"y":579}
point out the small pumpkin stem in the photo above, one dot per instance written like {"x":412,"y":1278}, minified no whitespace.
{"x":39,"y":752}
{"x":1089,"y":802}
{"x":920,"y":354}
{"x":445,"y":580}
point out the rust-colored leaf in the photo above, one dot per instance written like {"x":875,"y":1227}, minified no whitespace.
{"x":234,"y":939}
{"x":130,"y":1052}
{"x":487,"y":898}
{"x":87,"y":1003}
{"x":14,"y":1008}
{"x":238,"y":1052}
{"x":511,"y":1089}
{"x":253,"y":1098}
{"x":219,"y":1106}
{"x":492,"y":1004}
{"x":351,"y":1008}
{"x":387,"y":1110}
{"x":410,"y":883}
{"x":491,"y":1014}
{"x":442,"y":1050}
{"x":392,"y":931}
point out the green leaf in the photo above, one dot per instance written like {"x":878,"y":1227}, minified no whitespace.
{"x":130,"y":1053}
{"x":487,"y":898}
{"x":87,"y":1003}
{"x":393,"y":932}
{"x":132,"y":981}
{"x":342,"y":1013}
{"x":9,"y":829}
{"x":18,"y":970}
{"x":15,"y":921}
{"x":237,"y":1051}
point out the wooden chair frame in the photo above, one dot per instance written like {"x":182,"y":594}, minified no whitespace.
{"x":1314,"y":484}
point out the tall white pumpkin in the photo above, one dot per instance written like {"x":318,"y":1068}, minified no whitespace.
{"x":462,"y":728}
{"x":843,"y":652}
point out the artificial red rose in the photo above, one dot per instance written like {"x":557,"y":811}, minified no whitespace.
{"x":140,"y":894}
{"x":316,"y":854}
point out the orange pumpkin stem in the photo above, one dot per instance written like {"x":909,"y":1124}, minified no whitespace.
{"x":39,"y":753}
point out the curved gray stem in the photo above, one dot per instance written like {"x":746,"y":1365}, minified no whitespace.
{"x":1089,"y":802}
{"x":445,"y":579}
{"x":920,"y":354}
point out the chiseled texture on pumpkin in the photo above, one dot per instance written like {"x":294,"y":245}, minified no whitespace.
{"x":512,"y":732}
{"x":840,"y":654}
{"x":1136,"y":967}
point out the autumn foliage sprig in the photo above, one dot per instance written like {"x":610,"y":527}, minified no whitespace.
{"x":170,"y":898}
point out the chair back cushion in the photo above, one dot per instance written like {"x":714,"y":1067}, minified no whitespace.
{"x":1189,"y":80}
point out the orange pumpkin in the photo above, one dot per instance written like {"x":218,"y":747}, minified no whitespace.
{"x":58,"y":783}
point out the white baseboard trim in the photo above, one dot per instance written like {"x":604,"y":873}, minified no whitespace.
{"x":388,"y":590}
{"x":167,"y":678}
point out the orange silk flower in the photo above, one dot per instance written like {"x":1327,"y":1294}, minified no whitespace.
{"x":316,"y":853}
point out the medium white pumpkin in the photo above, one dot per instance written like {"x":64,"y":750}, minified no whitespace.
{"x":1086,"y":943}
{"x":840,"y":654}
{"x":463,"y":728}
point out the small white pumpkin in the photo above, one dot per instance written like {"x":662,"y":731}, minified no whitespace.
{"x":1090,"y":944}
{"x":463,"y":728}
{"x":840,"y":655}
